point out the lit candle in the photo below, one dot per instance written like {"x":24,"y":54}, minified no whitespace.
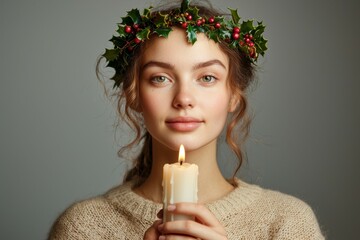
{"x":179,"y":185}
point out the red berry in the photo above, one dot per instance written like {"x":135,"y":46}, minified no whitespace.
{"x":127,"y":29}
{"x":235,"y":35}
{"x":184,"y":25}
{"x":217,"y":25}
{"x":251,"y":44}
{"x":242,"y":43}
{"x":246,"y":35}
{"x":251,"y":37}
{"x":247,"y":40}
{"x":211,"y":20}
{"x":236,"y":30}
{"x":199,"y":22}
{"x":136,"y":26}
{"x":137,"y":40}
{"x":189,"y":17}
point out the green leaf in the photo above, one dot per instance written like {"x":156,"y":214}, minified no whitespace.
{"x":258,"y":31}
{"x":111,"y":54}
{"x":234,"y":15}
{"x":213,"y":35}
{"x":194,"y":12}
{"x":184,"y":5}
{"x":160,"y":20}
{"x":118,"y":41}
{"x":247,"y":26}
{"x":147,"y":12}
{"x":143,"y":34}
{"x":191,"y":34}
{"x":135,"y":16}
{"x":234,"y":44}
{"x":224,"y":33}
{"x":261,"y":47}
{"x":127,"y":21}
{"x":163,"y":32}
{"x":121,"y":31}
{"x":219,"y":19}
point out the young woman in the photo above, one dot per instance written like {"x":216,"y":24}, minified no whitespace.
{"x":181,"y":80}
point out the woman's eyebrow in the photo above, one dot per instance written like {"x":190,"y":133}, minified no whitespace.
{"x":170,"y":66}
{"x":157,"y":64}
{"x":209,"y":63}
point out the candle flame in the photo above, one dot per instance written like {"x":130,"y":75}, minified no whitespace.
{"x":181,"y":154}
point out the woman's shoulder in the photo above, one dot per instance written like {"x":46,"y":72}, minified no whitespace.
{"x":286,"y":214}
{"x":82,"y":218}
{"x":114,"y":213}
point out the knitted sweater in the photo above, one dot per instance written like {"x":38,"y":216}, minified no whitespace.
{"x":248,"y":212}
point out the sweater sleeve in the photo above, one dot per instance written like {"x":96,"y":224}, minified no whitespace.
{"x":90,"y":219}
{"x":300,"y":224}
{"x":67,"y":226}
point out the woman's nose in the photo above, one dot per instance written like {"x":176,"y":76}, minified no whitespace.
{"x":184,"y":97}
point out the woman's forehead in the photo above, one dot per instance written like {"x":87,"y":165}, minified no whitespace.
{"x":176,"y":49}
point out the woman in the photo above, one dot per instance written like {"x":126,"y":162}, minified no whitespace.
{"x":183,"y":74}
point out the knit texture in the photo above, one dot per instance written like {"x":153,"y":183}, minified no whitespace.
{"x":248,"y":212}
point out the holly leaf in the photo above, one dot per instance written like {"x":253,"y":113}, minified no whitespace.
{"x":194,"y":12}
{"x":219,"y":19}
{"x":234,"y":15}
{"x":135,"y":16}
{"x":111,"y":54}
{"x":147,"y":12}
{"x":234,"y":44}
{"x":185,"y":5}
{"x":213,"y":35}
{"x":261,"y":46}
{"x":143,"y":34}
{"x":127,"y":21}
{"x":191,"y":34}
{"x":121,"y":31}
{"x":199,"y":29}
{"x":160,"y":20}
{"x":247,"y":26}
{"x":163,"y":32}
{"x":224,"y":33}
{"x":118,"y":41}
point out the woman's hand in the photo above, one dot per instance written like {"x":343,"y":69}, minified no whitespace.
{"x":205,"y":226}
{"x":152,"y":233}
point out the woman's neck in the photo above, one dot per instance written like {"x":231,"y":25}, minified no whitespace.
{"x":211,"y":184}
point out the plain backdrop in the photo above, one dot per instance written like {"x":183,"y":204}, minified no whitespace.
{"x":57,"y":143}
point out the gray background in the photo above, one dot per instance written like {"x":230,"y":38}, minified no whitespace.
{"x":57,"y":141}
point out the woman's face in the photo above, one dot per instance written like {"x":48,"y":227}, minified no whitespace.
{"x":184,"y":95}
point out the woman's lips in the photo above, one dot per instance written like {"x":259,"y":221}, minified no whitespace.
{"x":183,"y":124}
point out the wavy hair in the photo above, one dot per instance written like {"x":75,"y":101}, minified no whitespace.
{"x":241,"y":74}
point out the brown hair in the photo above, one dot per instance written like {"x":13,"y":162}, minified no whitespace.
{"x":241,"y":74}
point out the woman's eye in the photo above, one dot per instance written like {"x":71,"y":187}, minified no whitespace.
{"x":208,"y":79}
{"x":159,"y":79}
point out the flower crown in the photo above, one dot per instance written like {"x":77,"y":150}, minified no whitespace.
{"x":135,"y":28}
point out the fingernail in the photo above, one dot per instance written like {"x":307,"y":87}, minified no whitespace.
{"x":162,"y":237}
{"x":171,"y":208}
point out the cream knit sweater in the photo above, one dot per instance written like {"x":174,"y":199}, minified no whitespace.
{"x":248,"y":212}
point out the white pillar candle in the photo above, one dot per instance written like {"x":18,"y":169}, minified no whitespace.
{"x":179,"y":185}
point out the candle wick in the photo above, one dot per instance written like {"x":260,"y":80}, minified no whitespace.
{"x":181,"y":162}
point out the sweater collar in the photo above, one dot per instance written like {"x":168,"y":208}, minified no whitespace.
{"x":131,"y":204}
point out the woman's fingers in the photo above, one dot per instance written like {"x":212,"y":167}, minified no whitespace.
{"x":190,"y":230}
{"x":152,"y":233}
{"x":201,"y":213}
{"x":206,"y":225}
